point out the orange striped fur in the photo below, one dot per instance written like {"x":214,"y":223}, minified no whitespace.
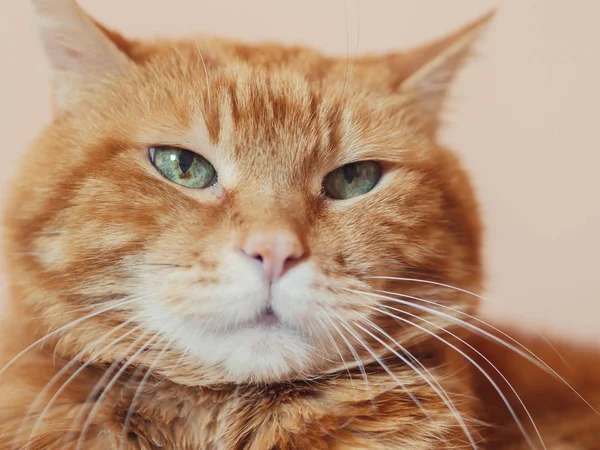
{"x":129,"y":304}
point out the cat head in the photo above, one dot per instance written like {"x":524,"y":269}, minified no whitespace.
{"x":245,"y":212}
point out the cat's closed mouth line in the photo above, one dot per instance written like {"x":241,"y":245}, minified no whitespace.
{"x":268,"y":318}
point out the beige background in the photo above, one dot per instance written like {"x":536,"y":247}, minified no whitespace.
{"x":525,"y":115}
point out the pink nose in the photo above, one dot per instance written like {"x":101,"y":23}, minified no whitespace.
{"x":277,"y":251}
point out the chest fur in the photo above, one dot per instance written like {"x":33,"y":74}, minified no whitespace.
{"x":338,"y":413}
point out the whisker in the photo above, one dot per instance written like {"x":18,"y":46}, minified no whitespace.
{"x":437,"y":388}
{"x":483,"y":372}
{"x":387,"y":369}
{"x":63,"y":313}
{"x":361,"y":365}
{"x":112,"y":382}
{"x":166,"y":265}
{"x":62,"y":328}
{"x":347,"y":52}
{"x":529,"y":356}
{"x":357,"y":29}
{"x":471,"y":360}
{"x":555,"y":350}
{"x":345,"y":365}
{"x":208,"y":89}
{"x":436,"y":283}
{"x":139,"y":389}
{"x":67,"y":367}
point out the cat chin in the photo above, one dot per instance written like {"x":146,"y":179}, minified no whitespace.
{"x":253,"y":354}
{"x":263,"y":355}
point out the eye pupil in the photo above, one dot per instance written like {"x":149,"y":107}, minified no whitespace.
{"x":185,"y":160}
{"x":350,"y":172}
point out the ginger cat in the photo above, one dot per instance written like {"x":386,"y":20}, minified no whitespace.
{"x":217,"y":245}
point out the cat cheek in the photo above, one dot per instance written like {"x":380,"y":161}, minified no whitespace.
{"x":52,"y":252}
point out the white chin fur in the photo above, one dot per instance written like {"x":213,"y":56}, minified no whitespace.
{"x":256,"y":354}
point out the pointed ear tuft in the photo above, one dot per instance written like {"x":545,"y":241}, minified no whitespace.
{"x":432,"y":67}
{"x":78,"y":50}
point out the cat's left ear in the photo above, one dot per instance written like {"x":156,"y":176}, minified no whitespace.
{"x":425,"y":73}
{"x":79,"y":51}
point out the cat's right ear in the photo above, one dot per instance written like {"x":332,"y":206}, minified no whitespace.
{"x":79,"y":51}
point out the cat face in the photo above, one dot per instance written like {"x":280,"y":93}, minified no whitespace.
{"x":243,"y":207}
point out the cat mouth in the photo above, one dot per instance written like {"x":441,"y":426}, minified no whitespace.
{"x":268,"y":318}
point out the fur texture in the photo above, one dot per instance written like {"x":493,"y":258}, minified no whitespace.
{"x":135,"y":320}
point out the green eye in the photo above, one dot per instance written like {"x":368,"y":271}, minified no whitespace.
{"x":352,"y":180}
{"x":183,"y":167}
